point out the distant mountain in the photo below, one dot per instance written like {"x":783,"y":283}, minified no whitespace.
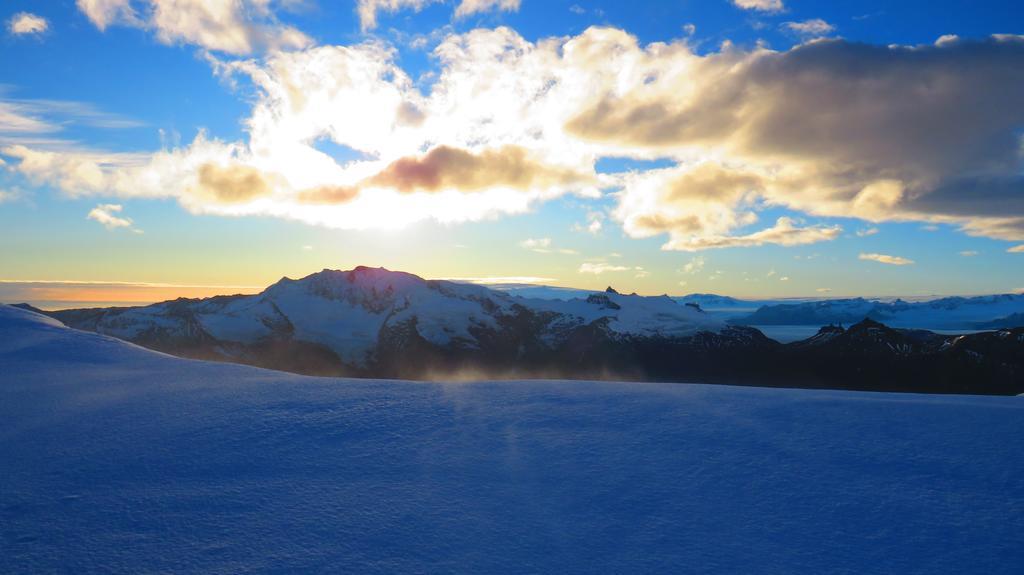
{"x":706,"y":301}
{"x":1010,"y":321}
{"x":817,"y":313}
{"x":392,"y":324}
{"x":949,"y":313}
{"x":713,"y":301}
{"x":871,"y":338}
{"x":371,"y":322}
{"x":535,"y":291}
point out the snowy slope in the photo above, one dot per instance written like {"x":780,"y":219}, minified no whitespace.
{"x":121,"y":460}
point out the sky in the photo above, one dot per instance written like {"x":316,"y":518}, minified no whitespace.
{"x":152,"y":149}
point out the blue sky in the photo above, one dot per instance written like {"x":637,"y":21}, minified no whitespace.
{"x":112,"y":99}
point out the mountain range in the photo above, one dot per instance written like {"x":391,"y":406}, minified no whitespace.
{"x":372,"y":322}
{"x":948,"y":313}
{"x":970,"y":313}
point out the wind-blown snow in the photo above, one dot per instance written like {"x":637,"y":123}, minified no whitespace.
{"x":117,"y":459}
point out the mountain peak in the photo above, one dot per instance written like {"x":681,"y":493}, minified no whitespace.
{"x":360,"y":273}
{"x":368,"y":269}
{"x":335,"y":283}
{"x":868,"y":323}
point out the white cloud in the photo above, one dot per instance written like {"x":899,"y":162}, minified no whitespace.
{"x":824,"y":290}
{"x":1016,"y":249}
{"x":595,"y":222}
{"x":32,"y":121}
{"x":784,"y":279}
{"x":358,"y":98}
{"x":886,"y":259}
{"x":231,"y":26}
{"x":103,"y":13}
{"x":79,"y":173}
{"x":544,"y":246}
{"x":760,"y":5}
{"x":813,"y":28}
{"x":368,"y":9}
{"x":825,"y":129}
{"x":700,"y":206}
{"x":25,"y":23}
{"x":106,"y":214}
{"x":867,"y":232}
{"x":693,"y":266}
{"x":469,"y":7}
{"x":968,"y":253}
{"x":885,"y":167}
{"x":581,"y":11}
{"x":783,"y":233}
{"x":17,"y":118}
{"x":598,"y":268}
{"x":533,"y":244}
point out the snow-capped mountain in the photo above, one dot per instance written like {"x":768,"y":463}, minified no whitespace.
{"x":715,"y":301}
{"x":538,"y":291}
{"x":950,"y":313}
{"x":707,"y":301}
{"x":371,"y":322}
{"x":358,"y":321}
{"x":1011,"y":321}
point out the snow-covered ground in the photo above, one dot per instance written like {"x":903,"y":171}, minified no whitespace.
{"x":116,"y":459}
